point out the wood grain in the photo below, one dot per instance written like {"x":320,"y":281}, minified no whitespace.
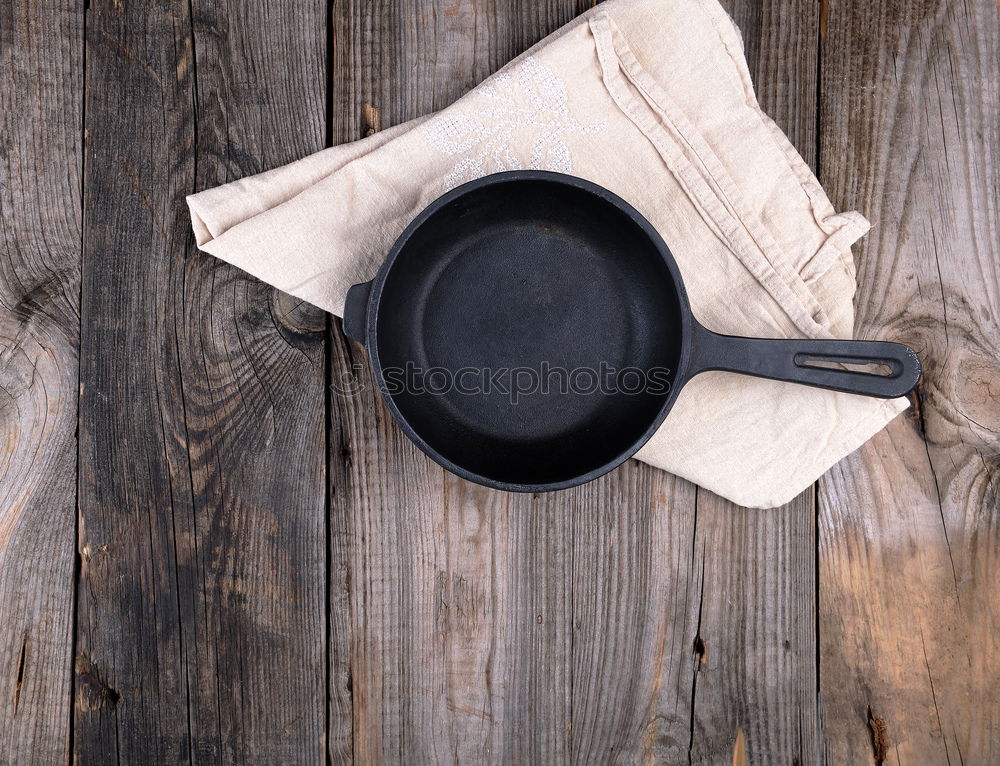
{"x":431,"y":558}
{"x":909,"y":543}
{"x":756,"y":669}
{"x":41,"y":60}
{"x":201,"y":630}
{"x":756,"y":640}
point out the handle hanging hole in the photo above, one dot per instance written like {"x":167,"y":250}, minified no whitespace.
{"x":879,"y":368}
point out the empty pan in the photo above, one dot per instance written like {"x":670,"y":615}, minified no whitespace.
{"x":530,"y":331}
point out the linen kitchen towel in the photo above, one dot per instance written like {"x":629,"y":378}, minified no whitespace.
{"x":653,"y":100}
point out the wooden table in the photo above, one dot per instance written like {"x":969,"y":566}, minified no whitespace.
{"x":205,"y":556}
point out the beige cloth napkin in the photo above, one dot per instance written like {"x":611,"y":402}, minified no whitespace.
{"x":653,"y":100}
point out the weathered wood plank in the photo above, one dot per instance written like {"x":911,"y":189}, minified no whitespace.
{"x":756,"y":636}
{"x":464,"y":643}
{"x":635,"y":616}
{"x":755,"y":570}
{"x":41,"y":55}
{"x":910,"y":613}
{"x":201,"y":629}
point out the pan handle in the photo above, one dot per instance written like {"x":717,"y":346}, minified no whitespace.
{"x":356,"y":312}
{"x":795,"y":360}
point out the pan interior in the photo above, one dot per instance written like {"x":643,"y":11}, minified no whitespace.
{"x":529,"y":332}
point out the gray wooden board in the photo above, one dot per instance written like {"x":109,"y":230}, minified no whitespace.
{"x":909,"y":534}
{"x":756,"y":650}
{"x":41,"y":68}
{"x":201,"y":617}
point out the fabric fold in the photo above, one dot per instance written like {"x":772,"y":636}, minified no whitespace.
{"x":652,"y":100}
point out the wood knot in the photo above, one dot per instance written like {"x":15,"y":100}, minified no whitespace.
{"x":93,"y":692}
{"x":700,"y":650}
{"x":880,"y":737}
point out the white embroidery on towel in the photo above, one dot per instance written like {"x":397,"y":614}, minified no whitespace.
{"x":529,"y":99}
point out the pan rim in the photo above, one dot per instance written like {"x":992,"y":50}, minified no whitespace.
{"x":560,"y":179}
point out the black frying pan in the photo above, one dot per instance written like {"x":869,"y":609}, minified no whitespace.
{"x":539,"y":271}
